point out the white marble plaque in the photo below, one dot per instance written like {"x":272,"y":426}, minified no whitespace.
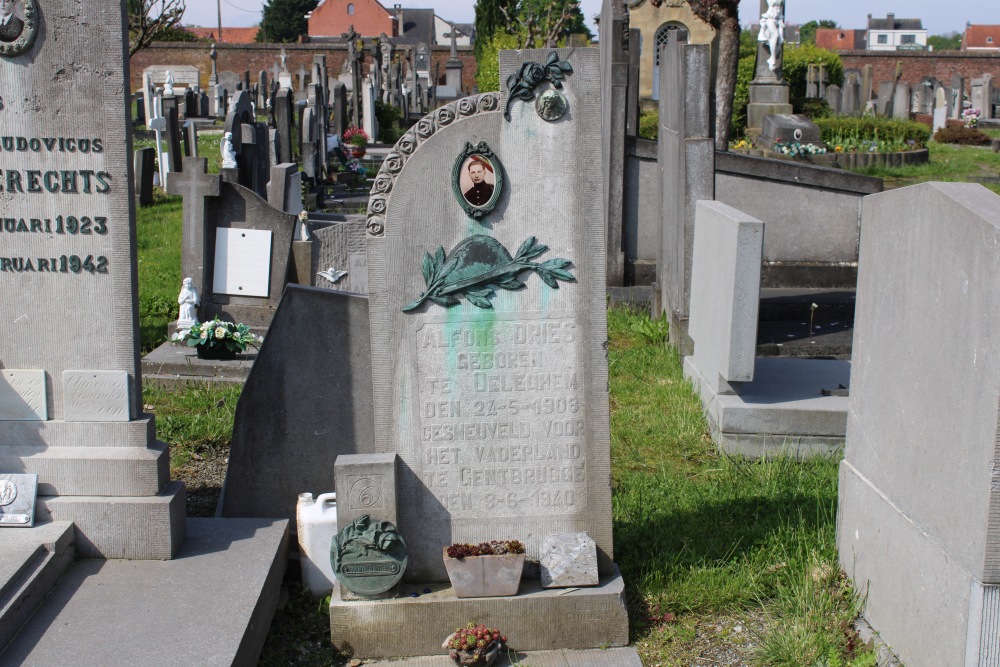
{"x":242,"y":262}
{"x":96,"y":396}
{"x":23,"y":396}
{"x":17,"y":500}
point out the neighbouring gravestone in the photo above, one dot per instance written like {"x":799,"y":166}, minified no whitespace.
{"x":886,"y":96}
{"x":788,"y":129}
{"x":307,"y":400}
{"x":341,"y":247}
{"x":917,"y":524}
{"x":185,"y":76}
{"x":901,"y":102}
{"x":488,"y":333}
{"x":71,"y":397}
{"x":145,"y":167}
{"x":230,"y":81}
{"x":236,"y":247}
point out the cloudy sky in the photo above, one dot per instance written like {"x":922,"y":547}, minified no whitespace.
{"x":938,"y":17}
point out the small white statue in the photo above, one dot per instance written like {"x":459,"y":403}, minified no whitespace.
{"x":188,"y":301}
{"x":772,"y":31}
{"x":168,"y":86}
{"x":303,"y":230}
{"x":228,"y":152}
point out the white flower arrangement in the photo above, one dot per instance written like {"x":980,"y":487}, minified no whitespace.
{"x":218,"y":334}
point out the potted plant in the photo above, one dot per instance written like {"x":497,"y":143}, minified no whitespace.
{"x":355,"y":141}
{"x":489,"y":569}
{"x":474,"y":645}
{"x":217,"y":339}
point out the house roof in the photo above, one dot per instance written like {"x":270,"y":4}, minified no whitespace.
{"x":417,"y":26}
{"x":229,"y":35}
{"x":976,"y":37}
{"x":892,"y":23}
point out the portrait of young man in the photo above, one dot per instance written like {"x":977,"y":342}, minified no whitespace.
{"x":480,"y":173}
{"x":11,"y":27}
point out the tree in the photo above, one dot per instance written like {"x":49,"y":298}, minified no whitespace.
{"x":724,"y":16}
{"x":284,"y":20}
{"x":148,"y":20}
{"x":489,"y":20}
{"x":950,"y":41}
{"x":807,"y":33}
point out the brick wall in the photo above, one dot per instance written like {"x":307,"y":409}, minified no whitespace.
{"x":917,"y":64}
{"x":256,"y":57}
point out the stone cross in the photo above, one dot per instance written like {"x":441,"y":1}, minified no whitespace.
{"x":453,"y":34}
{"x":214,"y":78}
{"x":302,"y":78}
{"x":195,"y":184}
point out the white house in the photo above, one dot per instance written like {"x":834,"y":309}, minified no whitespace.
{"x":891,"y":34}
{"x":442,"y":28}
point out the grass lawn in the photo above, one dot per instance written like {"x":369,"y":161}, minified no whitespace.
{"x":947,"y":162}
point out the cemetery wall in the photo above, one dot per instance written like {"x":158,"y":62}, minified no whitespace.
{"x":256,"y":57}
{"x":920,"y":64}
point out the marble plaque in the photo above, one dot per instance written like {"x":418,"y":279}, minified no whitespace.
{"x":242,"y":262}
{"x":96,"y":396}
{"x":17,"y":500}
{"x":185,"y":76}
{"x":23,"y":396}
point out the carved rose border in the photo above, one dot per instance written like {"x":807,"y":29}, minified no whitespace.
{"x":407,"y":145}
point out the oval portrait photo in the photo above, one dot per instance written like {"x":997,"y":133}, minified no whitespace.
{"x":18,"y":24}
{"x":477,"y":180}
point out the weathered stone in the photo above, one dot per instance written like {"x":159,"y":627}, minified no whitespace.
{"x":366,"y":486}
{"x":486,"y":576}
{"x":23,"y":396}
{"x":307,"y":400}
{"x":917,"y":526}
{"x":569,"y":560}
{"x":68,"y":298}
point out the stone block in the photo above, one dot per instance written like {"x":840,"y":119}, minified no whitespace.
{"x":534,"y":620}
{"x":307,"y":400}
{"x":366,"y":484}
{"x":725,"y":293}
{"x":211,"y":605}
{"x":788,"y":128}
{"x":918,"y":508}
{"x":569,"y":560}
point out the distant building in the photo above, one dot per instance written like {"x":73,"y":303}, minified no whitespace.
{"x":656,"y":21}
{"x":229,"y":35}
{"x":981,"y":38}
{"x":333,"y":18}
{"x":442,"y":28}
{"x":892,"y":34}
{"x":838,"y":39}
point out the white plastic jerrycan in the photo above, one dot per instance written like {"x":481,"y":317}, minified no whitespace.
{"x":316,"y":521}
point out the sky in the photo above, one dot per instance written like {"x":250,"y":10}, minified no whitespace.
{"x":938,"y":17}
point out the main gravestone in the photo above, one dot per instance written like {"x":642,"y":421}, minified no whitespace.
{"x":488,"y":336}
{"x":71,"y":408}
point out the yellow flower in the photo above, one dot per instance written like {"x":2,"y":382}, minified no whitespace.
{"x":220,"y":333}
{"x":838,"y":149}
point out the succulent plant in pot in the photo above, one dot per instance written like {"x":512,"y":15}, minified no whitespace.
{"x":475,"y":645}
{"x":488,"y":569}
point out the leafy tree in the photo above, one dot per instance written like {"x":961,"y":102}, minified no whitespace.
{"x":724,"y":16}
{"x":795,"y":66}
{"x":284,"y":20}
{"x":489,"y":19}
{"x":807,"y":33}
{"x":950,"y":41}
{"x":549,"y":11}
{"x":149,"y":19}
{"x":488,"y":72}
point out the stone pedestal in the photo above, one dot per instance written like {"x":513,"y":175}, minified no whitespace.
{"x":766,"y":98}
{"x":453,"y":74}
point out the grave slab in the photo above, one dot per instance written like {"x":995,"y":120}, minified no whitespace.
{"x":162,"y":607}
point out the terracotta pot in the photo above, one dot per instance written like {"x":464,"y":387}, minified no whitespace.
{"x":484,"y":576}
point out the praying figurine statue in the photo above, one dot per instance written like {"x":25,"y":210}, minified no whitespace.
{"x":228,"y":152}
{"x":188,"y":301}
{"x":168,"y":86}
{"x":772,"y":32}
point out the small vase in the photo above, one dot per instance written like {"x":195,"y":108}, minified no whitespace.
{"x":357,"y":152}
{"x":484,"y":576}
{"x":218,"y":353}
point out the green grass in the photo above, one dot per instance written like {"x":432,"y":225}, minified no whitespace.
{"x":946,"y":162}
{"x":158,"y":234}
{"x":698,"y":535}
{"x":194,"y":420}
